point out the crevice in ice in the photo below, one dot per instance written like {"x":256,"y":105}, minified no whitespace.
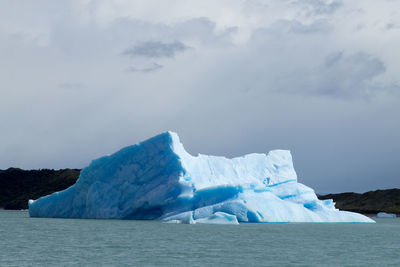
{"x":252,"y":217}
{"x":284,"y":182}
{"x":146,"y":213}
{"x":213,"y":195}
{"x":311,"y":205}
{"x":259,"y":214}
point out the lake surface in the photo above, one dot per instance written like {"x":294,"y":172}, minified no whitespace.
{"x":26,"y":241}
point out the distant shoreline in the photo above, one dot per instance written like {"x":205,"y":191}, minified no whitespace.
{"x":371,"y":202}
{"x":17,"y":186}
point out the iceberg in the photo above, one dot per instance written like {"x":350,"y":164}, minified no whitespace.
{"x":385,"y":215}
{"x":158,"y":180}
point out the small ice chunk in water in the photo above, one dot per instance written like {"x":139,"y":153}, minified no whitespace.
{"x":385,"y":215}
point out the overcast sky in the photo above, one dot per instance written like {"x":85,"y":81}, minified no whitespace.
{"x":80,"y":79}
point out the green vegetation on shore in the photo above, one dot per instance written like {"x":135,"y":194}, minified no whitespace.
{"x":18,"y":186}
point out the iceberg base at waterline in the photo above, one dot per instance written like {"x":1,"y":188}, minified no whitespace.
{"x":158,"y":180}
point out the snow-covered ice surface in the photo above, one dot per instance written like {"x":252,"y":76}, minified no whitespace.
{"x":158,"y":179}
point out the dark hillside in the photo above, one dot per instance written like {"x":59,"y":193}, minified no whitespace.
{"x":370,"y":202}
{"x":18,"y":186}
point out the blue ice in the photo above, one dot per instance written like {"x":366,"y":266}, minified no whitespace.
{"x":158,"y":180}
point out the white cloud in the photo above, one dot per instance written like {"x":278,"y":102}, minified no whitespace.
{"x":278,"y":71}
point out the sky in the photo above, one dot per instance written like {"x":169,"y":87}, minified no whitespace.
{"x":82,"y":79}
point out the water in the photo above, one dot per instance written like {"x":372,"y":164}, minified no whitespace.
{"x":28,"y":241}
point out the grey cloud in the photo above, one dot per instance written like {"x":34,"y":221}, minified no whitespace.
{"x":296,"y":27}
{"x":319,"y":7}
{"x":351,"y":74}
{"x":156,"y":49}
{"x":203,"y":30}
{"x":71,"y":85}
{"x":341,"y":76}
{"x":392,"y":26}
{"x":195,"y":30}
{"x":151,"y":68}
{"x":318,"y":26}
{"x":301,"y":65}
{"x":332,"y":58}
{"x":171,"y":39}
